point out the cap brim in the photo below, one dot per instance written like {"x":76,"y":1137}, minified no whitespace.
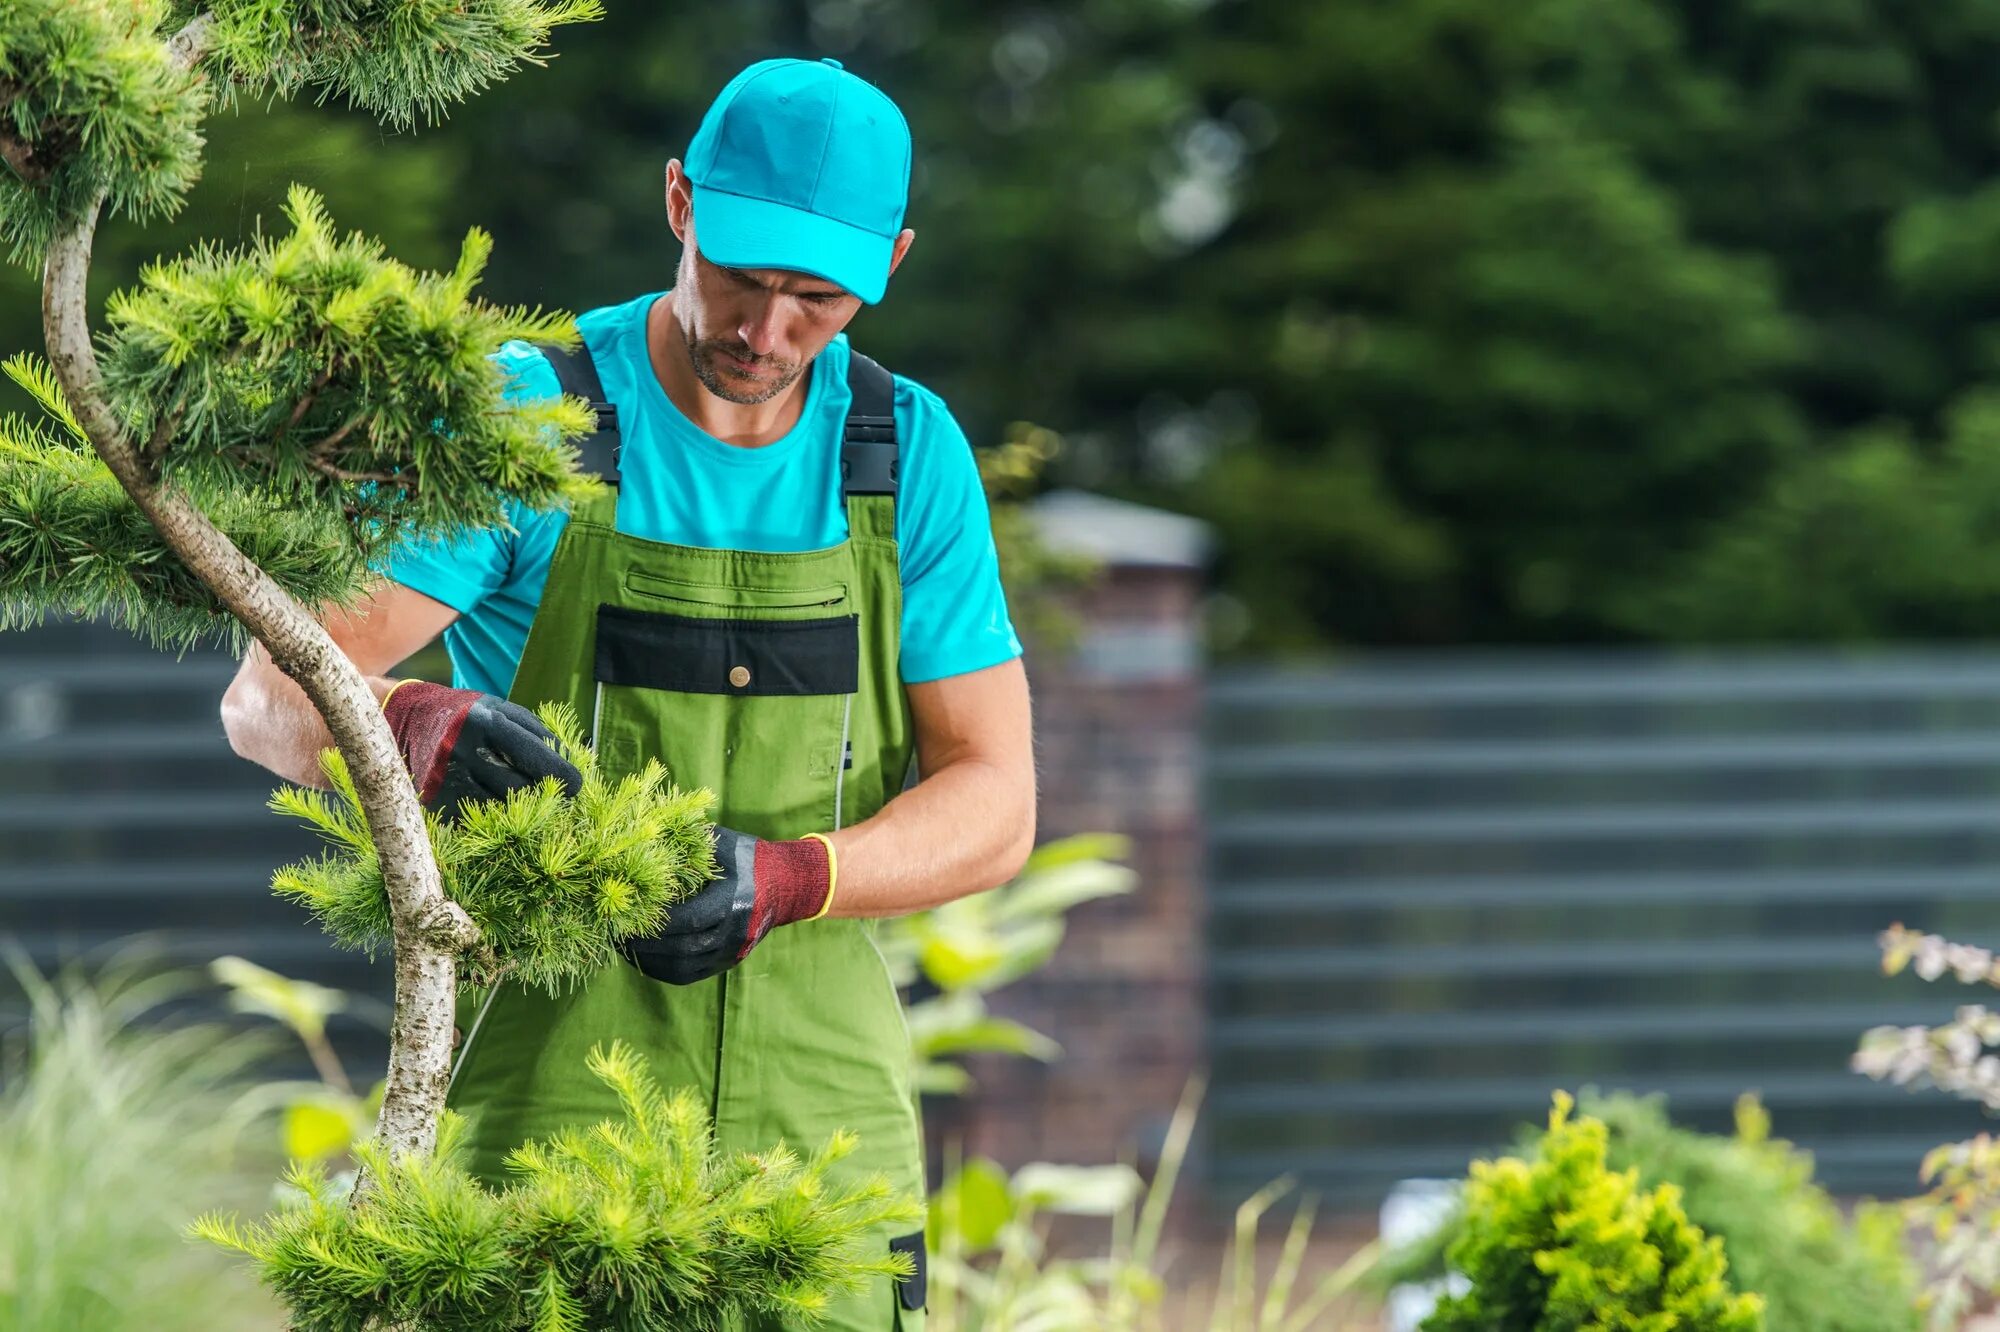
{"x":754,"y":233}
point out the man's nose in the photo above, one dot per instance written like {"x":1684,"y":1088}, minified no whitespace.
{"x":759,"y":329}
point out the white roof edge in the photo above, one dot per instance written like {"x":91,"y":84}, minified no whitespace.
{"x":1119,"y":532}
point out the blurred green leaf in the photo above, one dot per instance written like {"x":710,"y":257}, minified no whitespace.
{"x":300,"y":1005}
{"x":317,"y":1130}
{"x":974,"y":1206}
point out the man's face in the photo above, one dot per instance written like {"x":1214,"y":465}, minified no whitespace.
{"x":751,"y":332}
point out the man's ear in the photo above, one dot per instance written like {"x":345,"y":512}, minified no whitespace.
{"x":902,"y":246}
{"x":680,"y":199}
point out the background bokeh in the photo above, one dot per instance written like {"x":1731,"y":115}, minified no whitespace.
{"x":1558,"y":634}
{"x":1549,"y":322}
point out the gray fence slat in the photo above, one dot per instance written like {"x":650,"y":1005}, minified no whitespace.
{"x":1529,"y":1097}
{"x":1835,"y":818}
{"x":1643,"y":678}
{"x":1582,"y":958}
{"x":1661,"y":754}
{"x":1542,"y":1026}
{"x":1332,"y":896}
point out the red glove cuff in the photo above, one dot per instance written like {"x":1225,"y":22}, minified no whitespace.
{"x":793,"y":879}
{"x":425,"y":719}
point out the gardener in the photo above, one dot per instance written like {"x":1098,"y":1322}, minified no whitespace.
{"x":789,"y":595}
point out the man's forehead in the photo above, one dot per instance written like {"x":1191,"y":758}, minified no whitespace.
{"x":789,"y":281}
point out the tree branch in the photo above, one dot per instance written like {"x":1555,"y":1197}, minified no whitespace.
{"x":420,"y":1051}
{"x":190,"y":44}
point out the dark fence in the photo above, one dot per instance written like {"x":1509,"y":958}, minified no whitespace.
{"x":1442,"y":887}
{"x":123,"y":812}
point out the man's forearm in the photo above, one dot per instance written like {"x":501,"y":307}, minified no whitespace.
{"x":965,"y":828}
{"x":270,"y":721}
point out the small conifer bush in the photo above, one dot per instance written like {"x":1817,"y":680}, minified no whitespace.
{"x":1562,"y":1242}
{"x":551,"y":882}
{"x":636,"y":1224}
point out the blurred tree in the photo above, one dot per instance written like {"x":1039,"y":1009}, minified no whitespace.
{"x":1461,"y":322}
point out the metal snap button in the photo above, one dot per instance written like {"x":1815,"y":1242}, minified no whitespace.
{"x":739,"y":676}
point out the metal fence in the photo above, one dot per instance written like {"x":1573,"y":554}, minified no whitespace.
{"x":123,"y":813}
{"x":1442,"y":887}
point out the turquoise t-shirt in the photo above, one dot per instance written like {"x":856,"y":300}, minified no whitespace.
{"x":682,"y":485}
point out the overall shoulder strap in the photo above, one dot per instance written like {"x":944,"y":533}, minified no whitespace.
{"x":868,"y":448}
{"x":577,"y":373}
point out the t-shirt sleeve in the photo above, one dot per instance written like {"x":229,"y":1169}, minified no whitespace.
{"x":954,"y":609}
{"x":462,"y":573}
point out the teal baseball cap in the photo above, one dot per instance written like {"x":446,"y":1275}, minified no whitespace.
{"x":803,"y":166}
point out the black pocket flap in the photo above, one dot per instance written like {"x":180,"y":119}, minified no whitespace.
{"x":912,"y":1289}
{"x":696,"y":655}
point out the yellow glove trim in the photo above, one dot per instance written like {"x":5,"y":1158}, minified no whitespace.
{"x":832,"y":875}
{"x":392,"y":691}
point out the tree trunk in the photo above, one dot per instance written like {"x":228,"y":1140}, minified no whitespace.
{"x":428,"y":925}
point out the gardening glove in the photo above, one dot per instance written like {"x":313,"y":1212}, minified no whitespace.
{"x":761,"y":885}
{"x":462,"y":745}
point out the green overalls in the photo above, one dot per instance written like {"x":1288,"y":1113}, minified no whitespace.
{"x":723,"y":664}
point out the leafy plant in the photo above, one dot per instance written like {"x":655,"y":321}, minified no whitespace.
{"x":1961,"y":1211}
{"x":992,"y":1269}
{"x":1562,"y":1241}
{"x":637,"y":1224}
{"x":114,"y":1128}
{"x":968,"y":948}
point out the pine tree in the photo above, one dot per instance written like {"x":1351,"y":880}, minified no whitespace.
{"x":228,"y":457}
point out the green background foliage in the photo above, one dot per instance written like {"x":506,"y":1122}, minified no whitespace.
{"x":1570,"y":320}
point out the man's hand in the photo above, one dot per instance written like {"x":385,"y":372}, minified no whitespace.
{"x":464,"y":745}
{"x":760,"y":886}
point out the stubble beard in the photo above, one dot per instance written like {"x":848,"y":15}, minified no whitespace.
{"x":702,"y":356}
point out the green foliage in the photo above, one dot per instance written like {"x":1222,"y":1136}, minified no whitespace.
{"x":1879,"y":532}
{"x":993,"y":1268}
{"x":1785,"y":1238}
{"x":968,"y":948}
{"x":72,"y":542}
{"x":1032,"y":573}
{"x":115,"y":1125}
{"x":552,"y":882}
{"x":637,"y":1224}
{"x":1563,"y":1242}
{"x":318,"y":372}
{"x":90,"y":103}
{"x":398,"y":61}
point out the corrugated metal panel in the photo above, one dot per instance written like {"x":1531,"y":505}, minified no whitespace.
{"x":124,"y":812}
{"x":1443,"y":886}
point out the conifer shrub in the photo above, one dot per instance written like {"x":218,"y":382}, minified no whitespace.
{"x":1562,"y":1241}
{"x":1816,"y":1268}
{"x":637,"y":1224}
{"x":552,"y":882}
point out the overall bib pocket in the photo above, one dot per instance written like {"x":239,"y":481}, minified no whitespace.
{"x":760,"y":706}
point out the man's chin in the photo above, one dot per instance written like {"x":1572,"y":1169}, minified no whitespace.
{"x":746,"y":390}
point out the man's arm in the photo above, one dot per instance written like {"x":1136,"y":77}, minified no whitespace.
{"x":267,"y":716}
{"x":969,"y":823}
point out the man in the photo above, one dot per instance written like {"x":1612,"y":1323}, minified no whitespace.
{"x":776,"y":604}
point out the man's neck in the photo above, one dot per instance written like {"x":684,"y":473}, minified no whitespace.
{"x":745,"y":425}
